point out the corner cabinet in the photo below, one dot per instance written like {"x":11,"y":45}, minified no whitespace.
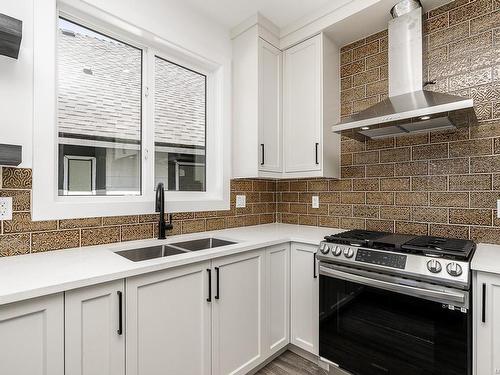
{"x":304,"y":298}
{"x":32,"y":337}
{"x":257,"y":123}
{"x":486,"y":324}
{"x":284,"y":104}
{"x":311,"y":93}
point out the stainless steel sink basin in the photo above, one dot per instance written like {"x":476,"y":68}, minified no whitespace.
{"x":202,"y":244}
{"x":159,"y":251}
{"x":145,"y":253}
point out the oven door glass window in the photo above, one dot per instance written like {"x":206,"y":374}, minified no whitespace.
{"x":370,"y":331}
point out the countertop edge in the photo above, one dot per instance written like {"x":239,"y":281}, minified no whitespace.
{"x":139,"y":268}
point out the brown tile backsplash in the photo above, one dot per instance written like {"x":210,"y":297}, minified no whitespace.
{"x":21,"y":235}
{"x":442,"y":183}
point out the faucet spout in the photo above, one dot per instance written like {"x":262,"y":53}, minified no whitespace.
{"x":160,"y":207}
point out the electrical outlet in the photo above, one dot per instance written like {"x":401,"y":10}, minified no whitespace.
{"x":315,"y":201}
{"x":498,"y":208}
{"x":241,"y":201}
{"x":6,"y":208}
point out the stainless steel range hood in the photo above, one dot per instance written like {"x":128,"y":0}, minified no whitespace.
{"x":409,"y":108}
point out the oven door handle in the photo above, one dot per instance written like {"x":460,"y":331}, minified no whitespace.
{"x":448,"y":297}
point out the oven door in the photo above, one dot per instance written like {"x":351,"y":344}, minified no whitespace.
{"x":374,"y":324}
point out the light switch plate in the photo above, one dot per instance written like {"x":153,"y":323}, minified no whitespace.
{"x":6,"y":208}
{"x":241,"y":201}
{"x":498,"y":208}
{"x":315,"y":201}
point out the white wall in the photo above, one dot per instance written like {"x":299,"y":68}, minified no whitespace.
{"x":16,"y":83}
{"x":169,"y":19}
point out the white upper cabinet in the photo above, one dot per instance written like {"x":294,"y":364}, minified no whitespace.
{"x":302,"y":104}
{"x":270,"y":129}
{"x":32,"y":337}
{"x":257,"y":124}
{"x":284,"y":104}
{"x":311,"y":104}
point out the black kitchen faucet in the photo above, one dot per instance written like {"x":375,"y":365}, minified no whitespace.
{"x":160,"y":207}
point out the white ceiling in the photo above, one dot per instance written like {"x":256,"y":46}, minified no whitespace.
{"x":230,"y":13}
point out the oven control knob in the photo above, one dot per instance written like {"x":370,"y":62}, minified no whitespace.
{"x":434,"y":266}
{"x":348,"y":252}
{"x":337,"y":251}
{"x":454,"y":269}
{"x":324,"y":248}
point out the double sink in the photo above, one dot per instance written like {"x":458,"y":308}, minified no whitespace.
{"x":159,"y":251}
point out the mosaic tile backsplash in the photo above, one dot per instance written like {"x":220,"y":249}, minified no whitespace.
{"x":22,"y":236}
{"x":440,"y":183}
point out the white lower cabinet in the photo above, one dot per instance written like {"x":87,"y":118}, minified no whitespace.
{"x":304,"y":298}
{"x":238,"y":312}
{"x":220,"y":317}
{"x":487,"y":324}
{"x":168,"y":322}
{"x":277,"y":297}
{"x":94,"y":331}
{"x":32,"y":337}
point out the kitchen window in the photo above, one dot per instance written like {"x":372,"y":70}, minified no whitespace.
{"x":180,"y":126}
{"x":99,"y":102}
{"x":117,"y":110}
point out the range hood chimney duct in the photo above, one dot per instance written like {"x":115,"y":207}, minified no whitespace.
{"x":409,"y":108}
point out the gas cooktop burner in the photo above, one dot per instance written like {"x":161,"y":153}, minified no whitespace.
{"x":426,"y":245}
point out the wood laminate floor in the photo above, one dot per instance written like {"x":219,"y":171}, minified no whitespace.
{"x":291,"y":364}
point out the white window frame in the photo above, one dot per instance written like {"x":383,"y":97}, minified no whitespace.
{"x":46,"y":202}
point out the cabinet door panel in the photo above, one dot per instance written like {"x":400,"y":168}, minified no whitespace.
{"x":92,"y":342}
{"x":304,"y":298}
{"x":239,"y":313}
{"x":302,"y":106}
{"x":487,"y":333}
{"x":168,"y":322}
{"x":32,"y":337}
{"x":278,"y":296}
{"x":270,"y":129}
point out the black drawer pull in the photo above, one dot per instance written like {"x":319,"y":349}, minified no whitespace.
{"x":217,"y":283}
{"x":263,"y":154}
{"x":209,"y":272}
{"x":483,"y":317}
{"x":317,"y":159}
{"x":315,"y":275}
{"x":120,"y":313}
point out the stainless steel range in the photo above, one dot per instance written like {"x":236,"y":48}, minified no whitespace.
{"x":395,"y":304}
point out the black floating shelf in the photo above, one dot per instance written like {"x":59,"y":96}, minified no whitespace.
{"x":11,"y":33}
{"x":11,"y":155}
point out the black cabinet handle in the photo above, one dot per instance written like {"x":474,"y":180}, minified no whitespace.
{"x":315,"y":275}
{"x":217,"y":282}
{"x":483,"y":318}
{"x":120,"y":312}
{"x":316,"y":150}
{"x":263,"y":154}
{"x":209,"y":272}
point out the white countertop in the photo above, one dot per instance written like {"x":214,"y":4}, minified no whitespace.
{"x":487,"y":258}
{"x":34,"y":275}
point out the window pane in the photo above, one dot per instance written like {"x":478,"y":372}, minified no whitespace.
{"x":99,"y":113}
{"x":180,"y":123}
